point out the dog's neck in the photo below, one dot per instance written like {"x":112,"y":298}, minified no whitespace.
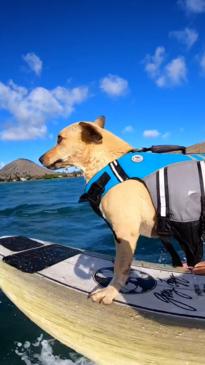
{"x":99,"y":157}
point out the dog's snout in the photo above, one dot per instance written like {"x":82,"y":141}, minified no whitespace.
{"x":41,"y":159}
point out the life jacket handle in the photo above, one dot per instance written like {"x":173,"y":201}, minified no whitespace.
{"x":163,"y":149}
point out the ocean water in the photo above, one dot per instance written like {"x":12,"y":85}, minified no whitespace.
{"x":49,"y":210}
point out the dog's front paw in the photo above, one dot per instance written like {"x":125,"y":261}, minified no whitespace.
{"x":105,"y":296}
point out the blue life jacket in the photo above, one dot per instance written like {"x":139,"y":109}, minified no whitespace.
{"x":150,"y":168}
{"x":138,"y":165}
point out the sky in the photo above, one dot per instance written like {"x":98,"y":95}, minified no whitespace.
{"x":141,"y":63}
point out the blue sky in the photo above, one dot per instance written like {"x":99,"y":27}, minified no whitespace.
{"x":141,"y":63}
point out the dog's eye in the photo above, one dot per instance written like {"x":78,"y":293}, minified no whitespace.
{"x":59,"y":139}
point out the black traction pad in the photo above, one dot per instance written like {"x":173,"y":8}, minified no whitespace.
{"x":19,"y":243}
{"x":40,"y":258}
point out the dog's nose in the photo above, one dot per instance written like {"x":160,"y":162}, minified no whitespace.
{"x":41,"y":159}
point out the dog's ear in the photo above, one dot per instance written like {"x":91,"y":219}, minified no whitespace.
{"x":100,"y":121}
{"x":90,"y":134}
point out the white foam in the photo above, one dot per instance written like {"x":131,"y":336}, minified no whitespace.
{"x":40,"y":352}
{"x":38,"y":340}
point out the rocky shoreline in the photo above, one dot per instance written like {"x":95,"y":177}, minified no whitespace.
{"x":25,"y":170}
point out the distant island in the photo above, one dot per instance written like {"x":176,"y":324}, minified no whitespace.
{"x":24,"y":169}
{"x":196,"y":148}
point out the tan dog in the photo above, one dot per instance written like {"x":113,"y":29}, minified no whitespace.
{"x":127,"y":207}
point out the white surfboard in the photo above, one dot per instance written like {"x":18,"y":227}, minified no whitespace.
{"x":155,"y":289}
{"x":153,"y":321}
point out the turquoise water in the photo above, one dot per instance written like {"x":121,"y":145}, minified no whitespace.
{"x":49,"y":210}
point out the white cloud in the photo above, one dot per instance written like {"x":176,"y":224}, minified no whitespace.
{"x":31,"y":109}
{"x":171,"y":74}
{"x":187,"y":36}
{"x":174,"y":73}
{"x":151,"y":133}
{"x":128,"y":129}
{"x":193,"y":6}
{"x":202,"y":63}
{"x":2,"y":164}
{"x":114,"y":85}
{"x":33,"y":62}
{"x":153,"y":63}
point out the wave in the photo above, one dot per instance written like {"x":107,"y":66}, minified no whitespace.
{"x":23,"y":210}
{"x":41,"y":352}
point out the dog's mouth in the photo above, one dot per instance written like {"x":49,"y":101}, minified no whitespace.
{"x":55,"y":165}
{"x":58,"y":164}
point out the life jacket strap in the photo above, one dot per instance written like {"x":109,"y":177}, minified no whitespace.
{"x":94,"y":196}
{"x":164,"y":229}
{"x":163,"y":208}
{"x":118,"y":171}
{"x":95,"y":192}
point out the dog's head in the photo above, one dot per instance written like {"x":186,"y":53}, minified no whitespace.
{"x":74,"y":144}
